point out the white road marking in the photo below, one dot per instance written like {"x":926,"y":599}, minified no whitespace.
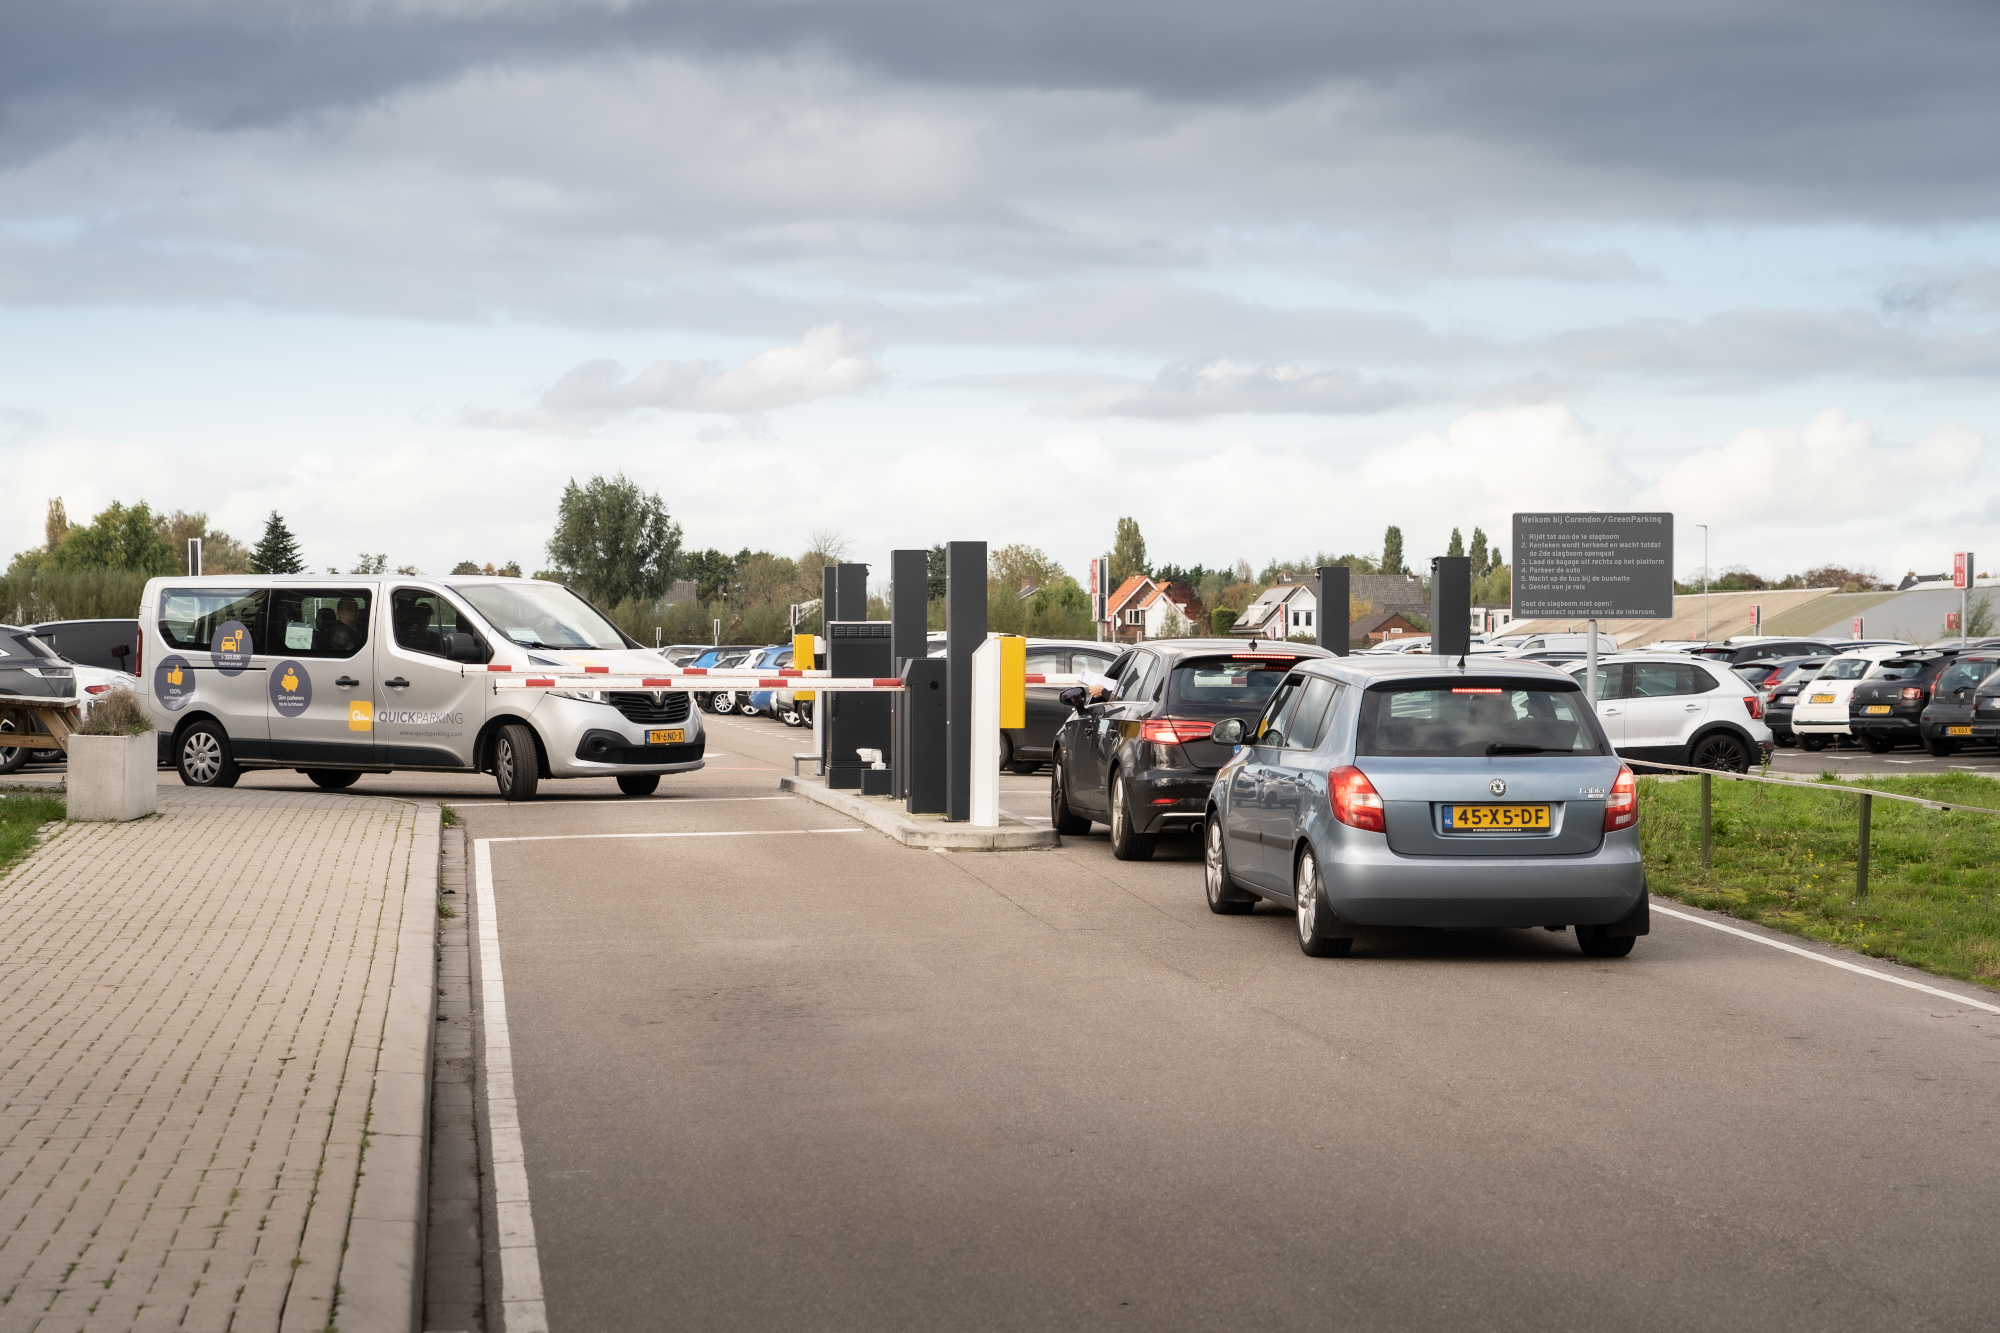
{"x":523,"y":1309}
{"x":628,"y":800}
{"x":735,"y":833}
{"x":1841,"y":963}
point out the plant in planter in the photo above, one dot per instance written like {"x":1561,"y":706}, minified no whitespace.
{"x":113,"y":759}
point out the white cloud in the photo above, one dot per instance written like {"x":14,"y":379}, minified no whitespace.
{"x":827,"y":363}
{"x":1220,"y":388}
{"x":1834,"y":470}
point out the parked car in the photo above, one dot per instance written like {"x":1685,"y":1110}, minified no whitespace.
{"x":1986,"y":710}
{"x":752,"y":702}
{"x":720,"y":659}
{"x":1515,"y":645}
{"x":1737,"y":651}
{"x":1855,"y":645}
{"x":1671,"y":708}
{"x":1781,"y":692}
{"x":29,"y":669}
{"x":1819,"y":718}
{"x":1946,"y":722}
{"x":1886,"y":708}
{"x":1415,"y":792}
{"x":1141,"y":760}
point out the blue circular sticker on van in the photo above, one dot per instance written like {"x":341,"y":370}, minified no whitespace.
{"x":291,"y":689}
{"x":173,"y":683}
{"x":231,"y":648}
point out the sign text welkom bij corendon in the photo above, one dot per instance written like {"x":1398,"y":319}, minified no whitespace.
{"x":1598,"y":566}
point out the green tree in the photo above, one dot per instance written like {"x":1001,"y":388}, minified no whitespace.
{"x":1128,"y":553}
{"x":220,"y":552}
{"x":1022,"y":566}
{"x":1060,"y":610}
{"x":1979,"y":616}
{"x":936,"y":566}
{"x":1392,"y":551}
{"x":56,"y":526}
{"x":370,"y":564}
{"x":1495,"y":587}
{"x":614,"y":541}
{"x":278,"y":552}
{"x":1478,"y":552}
{"x":1457,"y":544}
{"x":118,"y":538}
{"x":1223,"y":619}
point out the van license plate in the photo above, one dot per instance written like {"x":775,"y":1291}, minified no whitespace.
{"x":1878,"y":708}
{"x":1958,"y":731}
{"x":667,"y":736}
{"x":1494,"y":818}
{"x":1822,"y":698}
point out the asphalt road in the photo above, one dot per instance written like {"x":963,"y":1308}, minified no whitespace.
{"x":803,"y":1077}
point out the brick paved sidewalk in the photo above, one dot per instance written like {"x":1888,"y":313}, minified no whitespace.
{"x":192,"y":1029}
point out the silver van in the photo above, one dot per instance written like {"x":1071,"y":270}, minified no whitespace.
{"x":345,"y":674}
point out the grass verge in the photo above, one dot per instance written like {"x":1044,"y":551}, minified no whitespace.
{"x":1785,"y":858}
{"x":20,"y":816}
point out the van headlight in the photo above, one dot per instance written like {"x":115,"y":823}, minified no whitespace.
{"x":581,"y":696}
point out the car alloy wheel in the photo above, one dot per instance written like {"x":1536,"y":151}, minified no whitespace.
{"x":1118,"y":808}
{"x":201,"y":757}
{"x":1721,"y":752}
{"x":1224,"y":898}
{"x":503,"y":763}
{"x":1306,"y":895}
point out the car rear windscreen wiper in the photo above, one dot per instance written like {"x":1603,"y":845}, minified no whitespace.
{"x":1502,"y":747}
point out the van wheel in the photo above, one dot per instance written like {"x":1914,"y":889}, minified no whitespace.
{"x":332,"y":779}
{"x":1065,"y":821}
{"x":1127,"y":843}
{"x":1813,"y":743}
{"x":639,"y":784}
{"x":1941,"y":749}
{"x":514,"y":765}
{"x":204,"y":757}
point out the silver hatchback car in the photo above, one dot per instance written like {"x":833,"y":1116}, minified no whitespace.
{"x":1421,"y":791}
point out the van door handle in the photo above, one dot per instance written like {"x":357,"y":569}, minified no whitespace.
{"x":397,"y":684}
{"x":1692,"y":708}
{"x":347,"y":682}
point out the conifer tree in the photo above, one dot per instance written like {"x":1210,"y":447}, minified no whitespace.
{"x":278,"y":552}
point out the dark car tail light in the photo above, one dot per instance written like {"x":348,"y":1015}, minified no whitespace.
{"x":1755,"y":703}
{"x":1175,"y":730}
{"x":1913,"y":691}
{"x":1621,"y":811}
{"x":1354,"y":799}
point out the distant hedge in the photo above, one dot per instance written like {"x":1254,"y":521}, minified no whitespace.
{"x":89,"y":593}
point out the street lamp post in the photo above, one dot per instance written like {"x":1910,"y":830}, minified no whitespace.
{"x":1704,"y":581}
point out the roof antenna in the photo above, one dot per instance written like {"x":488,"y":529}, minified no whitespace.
{"x":1461,"y":661}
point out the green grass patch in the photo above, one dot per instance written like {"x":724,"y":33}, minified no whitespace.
{"x":1785,"y":858}
{"x":20,"y":816}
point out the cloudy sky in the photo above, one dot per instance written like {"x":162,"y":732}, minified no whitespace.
{"x":1266,"y":276}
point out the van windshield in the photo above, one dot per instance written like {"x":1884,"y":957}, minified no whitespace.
{"x":541,"y":615}
{"x":1471,"y":717}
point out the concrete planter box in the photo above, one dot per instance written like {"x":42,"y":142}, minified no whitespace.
{"x":113,"y":777}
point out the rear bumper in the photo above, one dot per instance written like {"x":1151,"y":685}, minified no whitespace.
{"x":1896,"y":728}
{"x":1170,"y":799}
{"x":1369,"y":885}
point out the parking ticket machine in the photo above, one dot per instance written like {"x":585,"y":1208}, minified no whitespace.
{"x":858,"y":648}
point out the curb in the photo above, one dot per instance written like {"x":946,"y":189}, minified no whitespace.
{"x":926,"y":831}
{"x":381,"y":1275}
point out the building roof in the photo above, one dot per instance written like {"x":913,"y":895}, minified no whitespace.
{"x":1124,"y":592}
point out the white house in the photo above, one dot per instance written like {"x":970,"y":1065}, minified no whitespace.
{"x":1280,"y":611}
{"x":1140,"y":607}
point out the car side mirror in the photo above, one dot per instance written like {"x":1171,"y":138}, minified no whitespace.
{"x":1229,"y":731}
{"x":1076,"y":698}
{"x":463,"y":648}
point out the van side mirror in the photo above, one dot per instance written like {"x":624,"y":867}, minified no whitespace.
{"x":1229,"y":731}
{"x":463,"y":648}
{"x":1076,"y":698}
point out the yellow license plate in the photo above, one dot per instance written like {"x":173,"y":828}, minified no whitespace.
{"x":1822,"y":698}
{"x":1958,"y":731}
{"x":667,"y":736}
{"x":1496,"y":817}
{"x":1878,"y":708}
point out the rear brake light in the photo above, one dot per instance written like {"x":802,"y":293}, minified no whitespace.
{"x":1755,"y":705}
{"x":1621,"y":811}
{"x":1175,"y":730}
{"x":1354,"y":799}
{"x":1913,"y":692}
{"x":95,"y":689}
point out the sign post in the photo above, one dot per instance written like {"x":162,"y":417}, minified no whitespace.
{"x":1592,"y":566}
{"x":1961,"y":579}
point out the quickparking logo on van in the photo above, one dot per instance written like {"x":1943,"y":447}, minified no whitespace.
{"x":391,"y":717}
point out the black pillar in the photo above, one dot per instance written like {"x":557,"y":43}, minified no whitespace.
{"x":1451,"y":605}
{"x":909,"y":592}
{"x":850,"y":592}
{"x":829,"y":580}
{"x":964,"y":631}
{"x":1333,"y":602}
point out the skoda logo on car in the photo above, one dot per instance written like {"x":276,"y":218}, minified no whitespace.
{"x":1497,"y":787}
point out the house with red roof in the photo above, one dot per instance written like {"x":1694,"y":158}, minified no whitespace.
{"x":1141,"y":607}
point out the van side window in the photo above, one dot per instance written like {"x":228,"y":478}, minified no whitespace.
{"x":319,"y":622}
{"x":424,"y":621}
{"x":190,"y":618}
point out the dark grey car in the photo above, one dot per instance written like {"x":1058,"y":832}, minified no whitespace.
{"x":31,"y":669}
{"x":1410,"y":791}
